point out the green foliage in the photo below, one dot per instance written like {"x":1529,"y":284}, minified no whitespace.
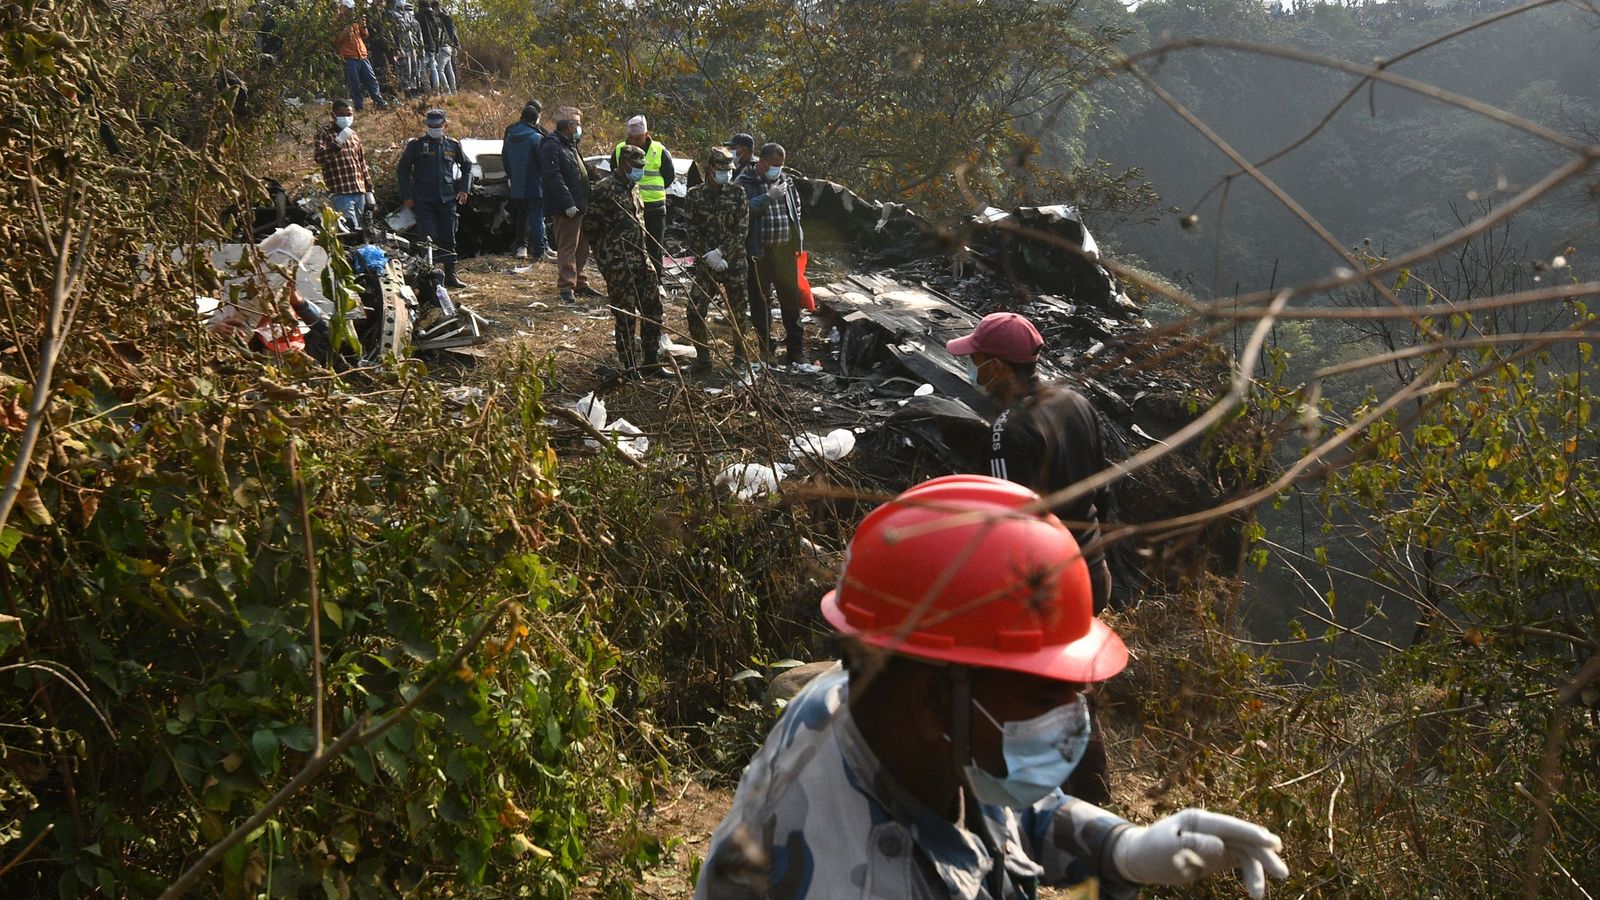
{"x":156,"y":575}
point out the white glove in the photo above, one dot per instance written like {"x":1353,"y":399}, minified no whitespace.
{"x":344,"y":135}
{"x":715,"y":261}
{"x":572,"y":212}
{"x":777,"y":192}
{"x":1186,"y":846}
{"x":372,"y":200}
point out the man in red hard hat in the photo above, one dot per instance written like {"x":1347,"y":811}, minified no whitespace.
{"x":930,"y":764}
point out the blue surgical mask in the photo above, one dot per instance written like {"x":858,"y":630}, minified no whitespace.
{"x":773,"y":173}
{"x":1040,"y":753}
{"x":436,"y":133}
{"x":577,"y":134}
{"x":344,"y":121}
{"x":973,"y":373}
{"x":723,"y":176}
{"x":635,"y":175}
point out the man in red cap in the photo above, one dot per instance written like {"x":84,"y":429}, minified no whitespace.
{"x":1046,"y":437}
{"x":929,"y":764}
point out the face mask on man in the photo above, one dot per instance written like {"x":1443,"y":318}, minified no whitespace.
{"x":723,"y":176}
{"x":344,"y":121}
{"x":635,"y":175}
{"x":436,"y":133}
{"x":577,"y":134}
{"x":974,"y":373}
{"x":1040,"y":753}
{"x":773,"y":173}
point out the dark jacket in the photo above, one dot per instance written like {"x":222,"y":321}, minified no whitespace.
{"x":433,"y":171}
{"x":519,"y":153}
{"x":566,"y":178}
{"x":430,"y":29}
{"x":1048,"y":440}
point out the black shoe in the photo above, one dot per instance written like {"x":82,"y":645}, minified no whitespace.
{"x":567,"y":297}
{"x":451,"y":281}
{"x":587,"y":291}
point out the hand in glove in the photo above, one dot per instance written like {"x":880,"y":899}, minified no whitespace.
{"x":572,"y":212}
{"x":777,"y":192}
{"x":1186,"y":846}
{"x":715,"y":261}
{"x":344,"y":135}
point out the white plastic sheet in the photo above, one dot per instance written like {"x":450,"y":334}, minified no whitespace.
{"x":835,"y":445}
{"x":629,"y":439}
{"x":749,"y":480}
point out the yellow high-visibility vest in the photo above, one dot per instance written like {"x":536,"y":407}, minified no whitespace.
{"x":652,"y":187}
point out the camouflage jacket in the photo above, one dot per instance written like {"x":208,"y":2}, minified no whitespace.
{"x":718,"y":218}
{"x":614,"y":223}
{"x":831,"y":823}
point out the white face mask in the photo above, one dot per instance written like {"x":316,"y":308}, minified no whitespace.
{"x":723,"y":176}
{"x":436,"y":133}
{"x":1040,"y":753}
{"x":973,"y":375}
{"x":344,"y":121}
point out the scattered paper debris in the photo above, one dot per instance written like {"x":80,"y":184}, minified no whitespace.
{"x":464,"y":395}
{"x":835,"y":445}
{"x":923,"y":391}
{"x":749,"y":480}
{"x":592,"y":408}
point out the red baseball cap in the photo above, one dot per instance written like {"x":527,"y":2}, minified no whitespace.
{"x":1004,"y":335}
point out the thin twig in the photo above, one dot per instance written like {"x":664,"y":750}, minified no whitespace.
{"x":23,"y":853}
{"x":307,"y":542}
{"x":50,"y":343}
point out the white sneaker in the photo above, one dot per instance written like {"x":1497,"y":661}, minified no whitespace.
{"x":520,"y":253}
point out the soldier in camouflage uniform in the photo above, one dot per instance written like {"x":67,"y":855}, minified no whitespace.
{"x":614,"y":225}
{"x":718,"y":216}
{"x":929,"y":765}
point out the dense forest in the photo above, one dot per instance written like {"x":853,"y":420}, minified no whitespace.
{"x":272,"y":630}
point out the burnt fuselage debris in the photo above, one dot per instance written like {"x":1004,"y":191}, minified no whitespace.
{"x":895,"y":286}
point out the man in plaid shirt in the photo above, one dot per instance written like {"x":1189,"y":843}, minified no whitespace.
{"x":774,"y":245}
{"x":344,"y":165}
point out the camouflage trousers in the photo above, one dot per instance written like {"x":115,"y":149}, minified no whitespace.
{"x":635,"y":299}
{"x":708,"y":286}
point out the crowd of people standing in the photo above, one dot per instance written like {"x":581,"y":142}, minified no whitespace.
{"x":742,"y":227}
{"x":397,"y":50}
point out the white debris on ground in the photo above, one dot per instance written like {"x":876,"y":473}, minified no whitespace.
{"x":629,"y":439}
{"x":750,"y":480}
{"x":681,"y":351}
{"x":835,"y":445}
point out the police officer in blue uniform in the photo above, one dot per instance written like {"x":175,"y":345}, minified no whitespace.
{"x":434,"y":176}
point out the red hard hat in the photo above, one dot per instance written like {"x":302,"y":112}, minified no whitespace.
{"x":951,"y":571}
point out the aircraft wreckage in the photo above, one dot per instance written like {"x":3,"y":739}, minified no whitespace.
{"x":888,"y":389}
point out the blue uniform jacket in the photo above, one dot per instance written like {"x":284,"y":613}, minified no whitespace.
{"x":433,"y":171}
